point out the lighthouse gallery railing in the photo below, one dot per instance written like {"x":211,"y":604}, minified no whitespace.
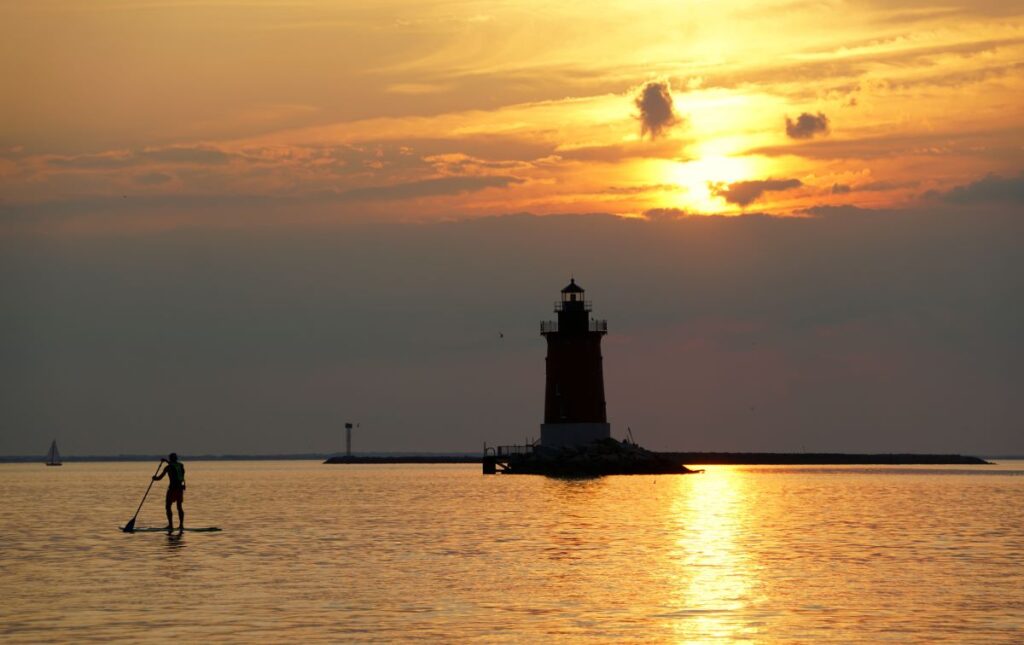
{"x":551,"y":326}
{"x":569,"y":306}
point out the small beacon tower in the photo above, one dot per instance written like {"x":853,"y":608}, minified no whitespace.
{"x":574,"y":408}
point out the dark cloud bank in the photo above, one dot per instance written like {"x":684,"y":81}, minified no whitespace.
{"x":991,"y":189}
{"x":854,"y":330}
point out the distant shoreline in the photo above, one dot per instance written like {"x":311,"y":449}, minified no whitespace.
{"x":311,"y":456}
{"x":719,"y":458}
{"x":689,"y":458}
{"x":820,"y":459}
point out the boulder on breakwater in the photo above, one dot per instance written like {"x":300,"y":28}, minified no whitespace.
{"x":598,"y":458}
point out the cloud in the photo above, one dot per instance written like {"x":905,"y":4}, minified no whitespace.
{"x":744,"y":193}
{"x":170,"y":208}
{"x":197,"y":155}
{"x":428,"y":188}
{"x":657,"y":113}
{"x":991,"y":188}
{"x":642,"y":189}
{"x":665,"y":214}
{"x":615,"y":153}
{"x":998,"y":142}
{"x":872,"y":186}
{"x":855,"y":60}
{"x":101,"y":161}
{"x":153,"y":178}
{"x":846,"y":210}
{"x":186,"y":154}
{"x":887,"y":185}
{"x":806,"y":126}
{"x":490,"y":147}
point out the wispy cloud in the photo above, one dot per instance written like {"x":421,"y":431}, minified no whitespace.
{"x":878,"y":146}
{"x":153,"y":178}
{"x":428,"y":188}
{"x":196,"y":155}
{"x":618,"y":152}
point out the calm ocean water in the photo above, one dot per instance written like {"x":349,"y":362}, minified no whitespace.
{"x":441,"y":553}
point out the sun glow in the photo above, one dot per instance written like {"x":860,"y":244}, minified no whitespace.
{"x":698,"y":178}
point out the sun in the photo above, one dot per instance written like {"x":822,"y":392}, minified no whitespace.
{"x":697,"y":177}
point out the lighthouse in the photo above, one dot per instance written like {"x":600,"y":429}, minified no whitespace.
{"x":575,"y":438}
{"x":574,"y":407}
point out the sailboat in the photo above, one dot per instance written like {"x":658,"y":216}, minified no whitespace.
{"x":53,"y":457}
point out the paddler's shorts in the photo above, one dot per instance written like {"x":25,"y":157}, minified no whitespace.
{"x":175,"y":495}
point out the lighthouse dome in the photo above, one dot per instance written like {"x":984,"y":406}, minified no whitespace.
{"x":572,"y":287}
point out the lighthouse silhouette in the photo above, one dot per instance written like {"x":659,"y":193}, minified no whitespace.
{"x":574,"y":406}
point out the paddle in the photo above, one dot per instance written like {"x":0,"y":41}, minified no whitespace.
{"x":130,"y":526}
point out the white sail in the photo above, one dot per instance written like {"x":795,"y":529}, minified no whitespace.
{"x":53,"y":457}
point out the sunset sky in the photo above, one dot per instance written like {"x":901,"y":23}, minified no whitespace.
{"x":427,"y":110}
{"x":284,"y":171}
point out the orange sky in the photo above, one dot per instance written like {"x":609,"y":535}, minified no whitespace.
{"x":435,"y":110}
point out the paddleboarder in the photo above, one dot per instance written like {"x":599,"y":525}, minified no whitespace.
{"x":175,"y":472}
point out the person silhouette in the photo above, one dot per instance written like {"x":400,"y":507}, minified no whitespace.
{"x":175,"y":472}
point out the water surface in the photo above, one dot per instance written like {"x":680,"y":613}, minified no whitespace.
{"x":378,"y":552}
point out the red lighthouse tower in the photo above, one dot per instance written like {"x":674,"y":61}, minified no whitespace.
{"x":574,"y":408}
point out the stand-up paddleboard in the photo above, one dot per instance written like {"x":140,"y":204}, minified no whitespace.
{"x":154,"y":529}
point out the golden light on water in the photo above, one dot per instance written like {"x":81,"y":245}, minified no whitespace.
{"x":736,"y":554}
{"x":714,"y":572}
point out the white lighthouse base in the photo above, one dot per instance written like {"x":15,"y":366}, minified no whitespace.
{"x":561,"y":435}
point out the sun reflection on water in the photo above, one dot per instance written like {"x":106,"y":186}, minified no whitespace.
{"x":715,"y":576}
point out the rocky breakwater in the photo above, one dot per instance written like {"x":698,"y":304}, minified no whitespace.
{"x":603,"y":457}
